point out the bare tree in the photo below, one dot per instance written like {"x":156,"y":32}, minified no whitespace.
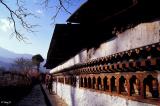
{"x":19,"y":15}
{"x":22,"y":65}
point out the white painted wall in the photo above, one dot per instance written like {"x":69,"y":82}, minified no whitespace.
{"x":79,"y":58}
{"x":83,"y":97}
{"x":141,"y":35}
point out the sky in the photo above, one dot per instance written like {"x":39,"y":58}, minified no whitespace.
{"x":39,"y":41}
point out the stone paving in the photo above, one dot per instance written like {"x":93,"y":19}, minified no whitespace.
{"x":54,"y":99}
{"x":34,"y":98}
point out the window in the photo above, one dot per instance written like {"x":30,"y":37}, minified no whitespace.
{"x":94,"y":83}
{"x":123,"y":85}
{"x":113,"y":84}
{"x":134,"y":86}
{"x":89,"y":82}
{"x":81,"y":82}
{"x":151,"y":87}
{"x":99,"y":86}
{"x":105,"y":85}
{"x":85,"y":82}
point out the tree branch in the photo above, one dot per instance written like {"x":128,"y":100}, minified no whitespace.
{"x":60,"y":6}
{"x":20,"y":14}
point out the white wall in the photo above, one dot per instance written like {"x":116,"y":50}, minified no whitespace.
{"x":141,"y":35}
{"x":79,"y":58}
{"x":84,"y":97}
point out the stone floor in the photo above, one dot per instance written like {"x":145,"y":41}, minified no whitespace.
{"x":34,"y":98}
{"x":54,"y":99}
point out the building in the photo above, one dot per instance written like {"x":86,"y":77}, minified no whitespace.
{"x":108,"y":54}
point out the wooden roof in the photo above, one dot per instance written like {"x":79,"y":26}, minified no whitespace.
{"x":116,"y":13}
{"x":69,"y":39}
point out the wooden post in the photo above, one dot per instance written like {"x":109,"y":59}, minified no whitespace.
{"x":141,"y":77}
{"x":117,"y":84}
{"x":64,"y":79}
{"x":109,"y":83}
{"x":128,"y":87}
{"x":102,"y":84}
{"x":96,"y":84}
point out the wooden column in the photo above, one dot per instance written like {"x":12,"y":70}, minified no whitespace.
{"x":128,"y":77}
{"x":64,"y":80}
{"x":109,"y":82}
{"x":128,"y":87}
{"x":117,"y":84}
{"x":102,"y":84}
{"x":141,"y":77}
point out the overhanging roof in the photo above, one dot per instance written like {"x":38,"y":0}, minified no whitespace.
{"x":62,"y":47}
{"x":116,"y":12}
{"x":69,"y":39}
{"x":93,"y":10}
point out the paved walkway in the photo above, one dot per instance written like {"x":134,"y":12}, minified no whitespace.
{"x":54,"y":99}
{"x":34,"y":98}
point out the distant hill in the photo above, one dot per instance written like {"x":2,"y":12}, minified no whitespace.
{"x":9,"y":54}
{"x":5,"y":65}
{"x":7,"y":57}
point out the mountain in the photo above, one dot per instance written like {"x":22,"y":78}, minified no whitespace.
{"x":5,"y":65}
{"x":7,"y":57}
{"x":8,"y":54}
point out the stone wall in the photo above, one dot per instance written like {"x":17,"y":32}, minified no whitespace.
{"x":75,"y":96}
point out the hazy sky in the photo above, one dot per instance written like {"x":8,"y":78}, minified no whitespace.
{"x":38,"y":42}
